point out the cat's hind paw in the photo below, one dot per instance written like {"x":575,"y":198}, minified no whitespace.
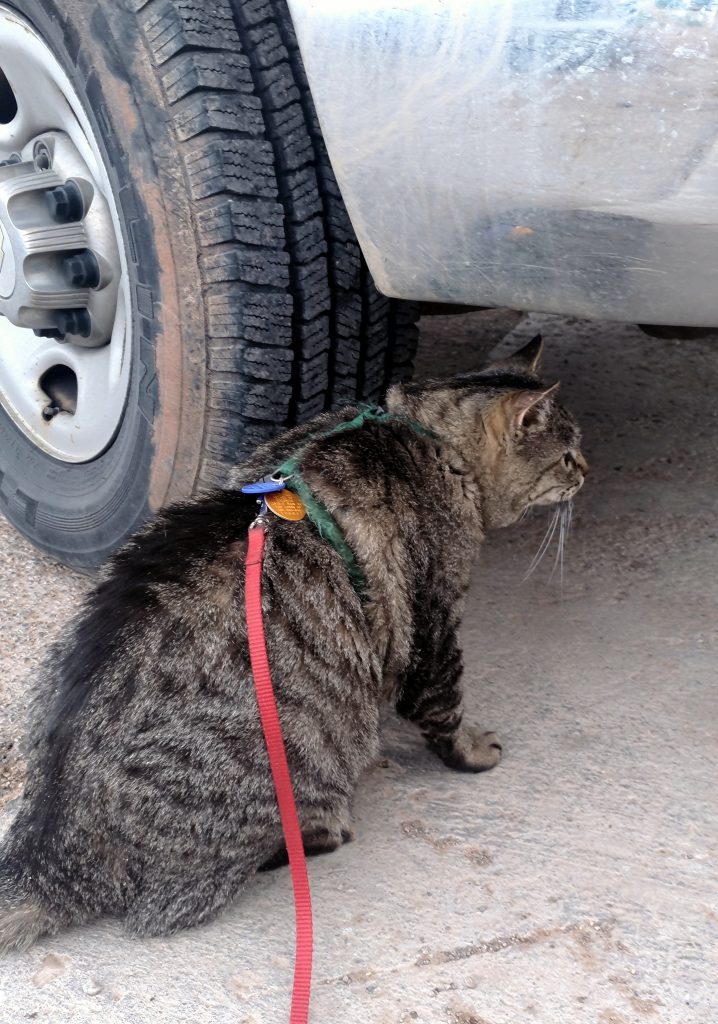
{"x":470,"y":750}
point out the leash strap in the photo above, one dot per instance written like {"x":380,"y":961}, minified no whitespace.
{"x":280,"y":773}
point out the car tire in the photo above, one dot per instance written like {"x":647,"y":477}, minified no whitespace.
{"x":251,"y":306}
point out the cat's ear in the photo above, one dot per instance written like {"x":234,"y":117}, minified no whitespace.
{"x":530,"y":355}
{"x":525,"y":409}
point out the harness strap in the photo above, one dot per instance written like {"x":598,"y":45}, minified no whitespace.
{"x":280,"y":773}
{"x":317,"y":512}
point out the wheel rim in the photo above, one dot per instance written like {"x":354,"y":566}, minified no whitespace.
{"x":64,"y":292}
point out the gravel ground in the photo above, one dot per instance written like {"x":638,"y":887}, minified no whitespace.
{"x":575,"y":883}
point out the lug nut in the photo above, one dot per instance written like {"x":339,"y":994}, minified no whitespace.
{"x":66,"y":202}
{"x":42,"y":157}
{"x":82,"y":270}
{"x":74,"y":321}
{"x":48,"y":332}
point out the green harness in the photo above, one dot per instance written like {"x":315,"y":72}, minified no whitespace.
{"x":317,"y":512}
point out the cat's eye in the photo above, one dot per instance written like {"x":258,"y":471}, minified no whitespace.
{"x":569,"y":461}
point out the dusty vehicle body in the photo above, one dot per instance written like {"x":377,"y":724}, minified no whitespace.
{"x":542,"y":154}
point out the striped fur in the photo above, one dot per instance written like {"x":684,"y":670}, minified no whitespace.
{"x":149,"y":795}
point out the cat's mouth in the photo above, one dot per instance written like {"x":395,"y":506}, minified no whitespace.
{"x":554,"y":494}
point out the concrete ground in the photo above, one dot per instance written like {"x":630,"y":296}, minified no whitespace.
{"x":575,"y":883}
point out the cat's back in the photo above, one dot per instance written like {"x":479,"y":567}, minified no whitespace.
{"x":154,"y":630}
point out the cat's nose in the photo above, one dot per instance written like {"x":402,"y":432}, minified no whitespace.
{"x":574,"y":460}
{"x":581,"y":463}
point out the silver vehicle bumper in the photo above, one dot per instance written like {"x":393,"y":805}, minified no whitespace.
{"x":555,"y":155}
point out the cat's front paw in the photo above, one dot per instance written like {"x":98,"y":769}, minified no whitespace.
{"x":470,"y":750}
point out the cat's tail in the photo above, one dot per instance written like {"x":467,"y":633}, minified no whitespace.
{"x":22,"y":923}
{"x":24,"y":912}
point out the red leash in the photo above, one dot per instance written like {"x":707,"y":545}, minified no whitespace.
{"x":280,"y":773}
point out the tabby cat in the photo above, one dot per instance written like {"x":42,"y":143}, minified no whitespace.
{"x":149,"y":795}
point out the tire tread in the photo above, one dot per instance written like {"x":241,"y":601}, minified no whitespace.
{"x":295,"y":324}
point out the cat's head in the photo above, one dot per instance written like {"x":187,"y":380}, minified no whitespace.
{"x":509,"y":427}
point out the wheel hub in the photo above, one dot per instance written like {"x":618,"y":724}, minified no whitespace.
{"x":60,"y":265}
{"x":65,"y":328}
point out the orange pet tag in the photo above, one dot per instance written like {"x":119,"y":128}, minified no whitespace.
{"x":286,"y":505}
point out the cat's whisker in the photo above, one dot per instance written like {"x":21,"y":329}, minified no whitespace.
{"x":564,"y":520}
{"x":564,"y":535}
{"x":558,"y":546}
{"x":538,"y":558}
{"x":561,"y":537}
{"x":544,"y":546}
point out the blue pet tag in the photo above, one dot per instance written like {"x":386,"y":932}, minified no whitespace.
{"x":267,"y":486}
